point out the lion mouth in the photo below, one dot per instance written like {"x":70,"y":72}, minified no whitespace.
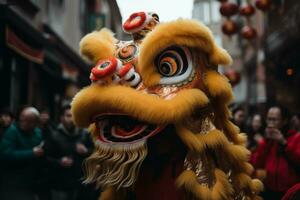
{"x":122,"y":128}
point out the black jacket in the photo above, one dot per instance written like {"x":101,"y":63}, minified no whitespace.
{"x":63,"y":143}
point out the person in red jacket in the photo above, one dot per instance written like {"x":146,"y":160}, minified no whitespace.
{"x":278,"y":154}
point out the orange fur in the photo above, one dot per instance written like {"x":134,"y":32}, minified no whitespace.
{"x":97,"y":99}
{"x":98,"y":45}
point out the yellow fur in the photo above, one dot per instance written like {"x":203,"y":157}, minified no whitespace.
{"x":98,"y":45}
{"x":181,"y":32}
{"x":218,"y":86}
{"x":107,"y":194}
{"x":97,"y":99}
{"x":222,"y":189}
{"x":260,"y":174}
{"x":188,"y":180}
{"x":198,"y":142}
{"x":239,"y":152}
{"x":212,"y":140}
{"x":256,"y":186}
{"x":242,"y":139}
{"x":189,"y":139}
{"x":242,"y":181}
{"x":247,"y":168}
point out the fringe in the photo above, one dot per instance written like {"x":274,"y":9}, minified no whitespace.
{"x":116,"y":165}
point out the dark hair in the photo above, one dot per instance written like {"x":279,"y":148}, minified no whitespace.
{"x":64,"y":108}
{"x":237,"y":108}
{"x":285,"y":115}
{"x":44,"y":110}
{"x":7,"y":111}
{"x":284,"y":112}
{"x":263,"y":124}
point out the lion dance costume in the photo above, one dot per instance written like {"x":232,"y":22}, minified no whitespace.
{"x":157,"y":111}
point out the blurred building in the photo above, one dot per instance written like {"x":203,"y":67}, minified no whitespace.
{"x":282,"y":50}
{"x":207,"y":11}
{"x":39,"y":60}
{"x":269,"y":64}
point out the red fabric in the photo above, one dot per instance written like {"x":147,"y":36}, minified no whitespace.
{"x":163,"y":188}
{"x":279,"y":161}
{"x":291,"y":192}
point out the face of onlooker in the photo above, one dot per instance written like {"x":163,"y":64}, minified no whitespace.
{"x":239,"y":117}
{"x":67,"y":120}
{"x":256,"y":122}
{"x":274,"y":118}
{"x":5,"y":120}
{"x":44,"y":118}
{"x":28,"y":120}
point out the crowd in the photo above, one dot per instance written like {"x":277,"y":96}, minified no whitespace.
{"x":274,"y":142}
{"x":40,"y":160}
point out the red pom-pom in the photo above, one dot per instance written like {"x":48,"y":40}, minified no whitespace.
{"x":135,"y":21}
{"x":104,"y":68}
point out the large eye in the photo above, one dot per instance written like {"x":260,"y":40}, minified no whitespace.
{"x":174,"y":64}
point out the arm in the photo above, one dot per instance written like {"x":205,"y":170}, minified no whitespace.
{"x":9,"y":149}
{"x":292,"y":149}
{"x":259,"y":156}
{"x":85,"y":146}
{"x":88,"y":142}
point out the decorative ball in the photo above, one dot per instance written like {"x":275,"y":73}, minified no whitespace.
{"x":229,"y":27}
{"x":135,"y":22}
{"x":247,"y":10}
{"x":248,"y":32}
{"x":104,"y":68}
{"x":263,"y":5}
{"x":228,"y":9}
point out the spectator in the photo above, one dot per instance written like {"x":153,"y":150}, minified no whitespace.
{"x":278,"y":154}
{"x":47,"y":128}
{"x":46,"y":125}
{"x":19,"y":153}
{"x":65,"y":150}
{"x":239,"y":118}
{"x":255,"y":132}
{"x":6,"y":119}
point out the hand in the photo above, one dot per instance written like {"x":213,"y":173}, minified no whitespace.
{"x":66,"y":161}
{"x":278,"y":136}
{"x":275,"y":134}
{"x":38,"y":151}
{"x":257,"y":138}
{"x":81,"y":149}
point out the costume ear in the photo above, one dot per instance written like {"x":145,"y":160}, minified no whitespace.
{"x":98,"y":45}
{"x":187,"y":33}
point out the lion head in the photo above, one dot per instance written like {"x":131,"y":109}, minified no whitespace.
{"x":164,"y":80}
